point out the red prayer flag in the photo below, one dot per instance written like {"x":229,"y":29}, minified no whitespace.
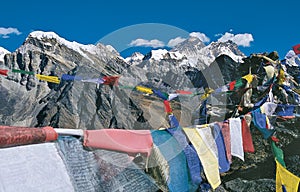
{"x":184,"y":92}
{"x":296,"y":49}
{"x":14,"y":136}
{"x":3,"y":72}
{"x":168,"y":108}
{"x":247,"y":138}
{"x":227,"y":139}
{"x":231,"y":85}
{"x":111,"y":80}
{"x":131,"y":142}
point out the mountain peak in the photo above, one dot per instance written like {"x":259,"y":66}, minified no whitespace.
{"x":42,"y":34}
{"x":136,"y":57}
{"x":190,"y":46}
{"x":51,"y":39}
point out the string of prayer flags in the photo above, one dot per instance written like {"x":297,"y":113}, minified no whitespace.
{"x":3,"y":72}
{"x":48,"y":78}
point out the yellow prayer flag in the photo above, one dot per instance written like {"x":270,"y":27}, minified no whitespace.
{"x":286,"y":178}
{"x":249,"y":78}
{"x":144,"y":89}
{"x":281,"y":77}
{"x":208,"y":159}
{"x":51,"y":79}
{"x":207,"y":93}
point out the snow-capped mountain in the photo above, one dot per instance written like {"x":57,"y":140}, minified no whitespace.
{"x":189,"y":47}
{"x":193,"y":53}
{"x":50,"y":41}
{"x":200,"y":56}
{"x":135,"y":58}
{"x":3,"y":52}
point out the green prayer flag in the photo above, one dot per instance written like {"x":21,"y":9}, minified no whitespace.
{"x":23,"y":72}
{"x":126,"y":87}
{"x":278,"y":153}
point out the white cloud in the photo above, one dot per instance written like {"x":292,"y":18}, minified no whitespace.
{"x":5,"y":32}
{"x":240,"y":39}
{"x":175,"y":41}
{"x":147,"y":43}
{"x":200,"y":36}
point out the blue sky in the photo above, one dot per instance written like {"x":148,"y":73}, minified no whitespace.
{"x":272,"y":24}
